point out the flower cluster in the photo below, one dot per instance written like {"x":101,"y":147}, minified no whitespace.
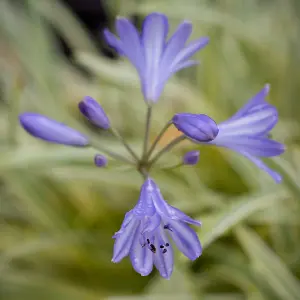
{"x":151,"y":229}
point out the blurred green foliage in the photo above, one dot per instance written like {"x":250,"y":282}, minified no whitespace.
{"x":58,"y":212}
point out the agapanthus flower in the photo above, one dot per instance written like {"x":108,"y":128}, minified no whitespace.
{"x":145,"y":233}
{"x":191,"y":157}
{"x":94,"y":112}
{"x":52,"y":131}
{"x":247,"y":132}
{"x":155,"y":58}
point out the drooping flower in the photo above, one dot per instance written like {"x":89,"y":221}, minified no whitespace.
{"x":247,"y":132}
{"x":197,"y":127}
{"x":94,"y":112}
{"x":191,"y":157}
{"x":50,"y":130}
{"x":100,"y":160}
{"x":145,"y":232}
{"x":155,"y":58}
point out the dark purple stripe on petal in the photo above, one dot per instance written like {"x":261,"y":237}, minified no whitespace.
{"x":52,"y":131}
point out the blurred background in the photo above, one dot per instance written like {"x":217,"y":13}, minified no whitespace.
{"x":58,"y":212}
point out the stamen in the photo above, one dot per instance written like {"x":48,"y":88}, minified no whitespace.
{"x":164,"y":251}
{"x":161,"y":246}
{"x":167,"y":244}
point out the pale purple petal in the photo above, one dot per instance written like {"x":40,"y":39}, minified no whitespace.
{"x":113,"y":41}
{"x":257,"y":146}
{"x":131,"y":44}
{"x":175,"y":44}
{"x":124,"y":241}
{"x":140,"y":255}
{"x":177,"y":215}
{"x":190,"y":50}
{"x":257,"y":100}
{"x":259,"y":163}
{"x":163,"y":260}
{"x":154,"y":34}
{"x":255,"y":123}
{"x":52,"y":131}
{"x":185,"y":239}
{"x":183,"y":65}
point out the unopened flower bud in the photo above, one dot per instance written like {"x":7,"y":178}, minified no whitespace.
{"x":94,"y":112}
{"x":100,"y":160}
{"x":52,"y":131}
{"x":191,"y":157}
{"x":197,"y":127}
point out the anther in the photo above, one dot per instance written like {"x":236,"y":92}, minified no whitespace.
{"x":152,"y":248}
{"x":167,"y":244}
{"x":164,"y":251}
{"x":168,"y":227}
{"x":161,"y":246}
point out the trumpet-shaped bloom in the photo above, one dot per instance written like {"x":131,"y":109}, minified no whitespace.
{"x":94,"y":112}
{"x":146,"y":231}
{"x":247,"y":132}
{"x":155,"y":58}
{"x":52,"y":131}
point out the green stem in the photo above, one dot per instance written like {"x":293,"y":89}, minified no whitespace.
{"x":173,"y":167}
{"x":166,"y":149}
{"x":122,"y":140}
{"x":147,"y":131}
{"x":94,"y":143}
{"x":157,"y":139}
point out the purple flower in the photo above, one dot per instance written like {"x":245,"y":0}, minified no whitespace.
{"x":155,"y":58}
{"x":100,"y":160}
{"x":93,"y":111}
{"x":247,"y":131}
{"x":50,"y":130}
{"x":197,"y":127}
{"x":145,"y":232}
{"x":191,"y":157}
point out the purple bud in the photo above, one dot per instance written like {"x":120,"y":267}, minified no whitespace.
{"x":50,"y":130}
{"x":191,"y":157}
{"x":197,"y":127}
{"x":94,"y":112}
{"x":100,"y":160}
